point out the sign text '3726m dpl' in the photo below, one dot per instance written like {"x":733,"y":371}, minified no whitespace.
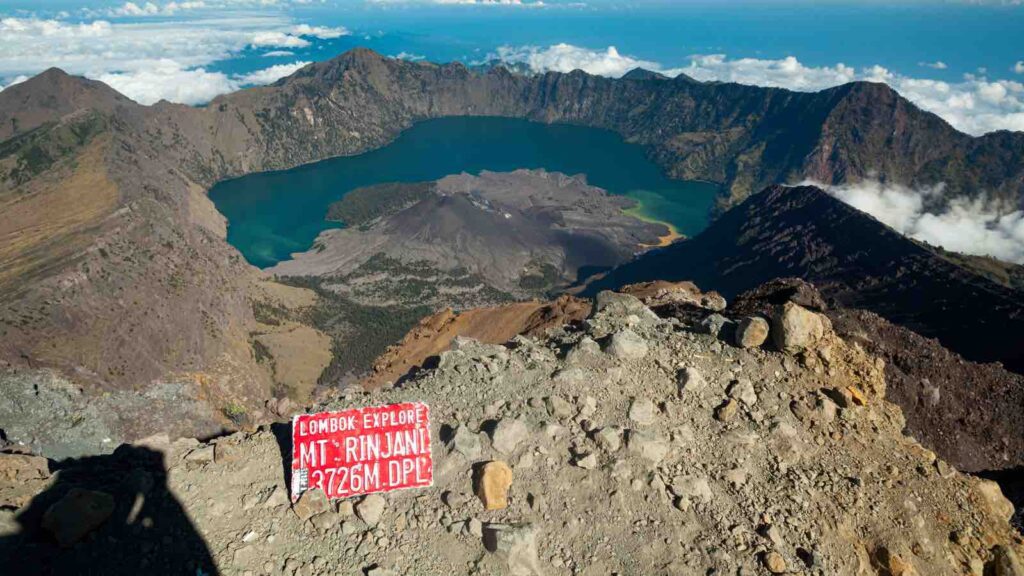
{"x":362,"y":450}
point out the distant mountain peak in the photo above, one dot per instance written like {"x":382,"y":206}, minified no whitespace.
{"x":643,"y":74}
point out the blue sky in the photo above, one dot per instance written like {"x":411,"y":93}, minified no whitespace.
{"x":962,"y":60}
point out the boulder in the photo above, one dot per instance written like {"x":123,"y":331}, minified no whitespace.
{"x":466,"y":442}
{"x":796,"y":329}
{"x":751,"y":332}
{"x":517,"y":543}
{"x":627,"y":345}
{"x":642,"y":411}
{"x":649,"y":446}
{"x":77,"y":514}
{"x":492,"y":484}
{"x":609,"y":438}
{"x":508,"y":434}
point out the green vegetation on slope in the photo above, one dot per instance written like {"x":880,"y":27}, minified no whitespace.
{"x":364,"y":205}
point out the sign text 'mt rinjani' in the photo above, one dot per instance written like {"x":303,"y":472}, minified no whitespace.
{"x":362,"y":450}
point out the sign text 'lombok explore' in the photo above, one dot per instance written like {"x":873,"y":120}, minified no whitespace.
{"x":362,"y":450}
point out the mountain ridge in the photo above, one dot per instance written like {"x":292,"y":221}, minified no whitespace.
{"x":142,"y":288}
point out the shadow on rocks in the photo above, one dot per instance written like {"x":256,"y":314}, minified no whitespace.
{"x":110,"y":514}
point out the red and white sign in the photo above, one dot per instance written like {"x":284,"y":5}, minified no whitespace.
{"x":362,"y":450}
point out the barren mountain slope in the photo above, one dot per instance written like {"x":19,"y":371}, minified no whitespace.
{"x":125,"y":282}
{"x":637,"y":446}
{"x":853,"y":259}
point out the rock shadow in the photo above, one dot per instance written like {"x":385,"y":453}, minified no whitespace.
{"x":111,"y":514}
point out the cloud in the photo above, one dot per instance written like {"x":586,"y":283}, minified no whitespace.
{"x":937,"y":65}
{"x":1019,"y":67}
{"x":278,"y":40}
{"x":566,"y":58}
{"x":278,"y":53}
{"x":968,"y":226}
{"x":169,"y":80}
{"x":975,"y":104}
{"x":153,"y":59}
{"x":271,"y":74}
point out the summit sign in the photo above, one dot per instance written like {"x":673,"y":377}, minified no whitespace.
{"x":362,"y":450}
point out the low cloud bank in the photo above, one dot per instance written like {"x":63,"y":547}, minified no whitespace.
{"x":968,"y":226}
{"x":975,"y":104}
{"x":155,"y":60}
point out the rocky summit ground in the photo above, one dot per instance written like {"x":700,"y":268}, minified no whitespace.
{"x":634,"y":444}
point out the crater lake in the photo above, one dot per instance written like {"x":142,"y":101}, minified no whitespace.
{"x":272,"y":215}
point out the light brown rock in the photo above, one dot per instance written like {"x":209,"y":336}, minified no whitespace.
{"x":493,"y":483}
{"x":751,"y":332}
{"x":795,"y":329}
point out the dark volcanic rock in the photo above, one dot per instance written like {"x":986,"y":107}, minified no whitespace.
{"x":854,"y":260}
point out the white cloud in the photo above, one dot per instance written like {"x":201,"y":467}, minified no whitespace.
{"x":566,"y":58}
{"x":278,"y":40}
{"x":154,"y":59}
{"x":937,"y":65}
{"x":409,"y":56}
{"x":321,"y":32}
{"x":968,"y":226}
{"x":1019,"y":67}
{"x":168,"y":80}
{"x":975,"y":104}
{"x":278,"y":53}
{"x":271,"y":74}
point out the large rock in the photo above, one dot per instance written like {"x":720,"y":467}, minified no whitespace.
{"x":751,"y":332}
{"x":796,"y":329}
{"x":649,"y":446}
{"x":642,"y":411}
{"x":493,"y":482}
{"x":466,"y":442}
{"x":371,"y":509}
{"x":77,"y":514}
{"x":517,"y":543}
{"x":622,"y":305}
{"x":1004,"y":563}
{"x":22,"y":476}
{"x":626,"y":344}
{"x":508,"y":435}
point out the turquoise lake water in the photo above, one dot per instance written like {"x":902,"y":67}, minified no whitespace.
{"x":274,"y":214}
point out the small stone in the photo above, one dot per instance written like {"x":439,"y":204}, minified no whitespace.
{"x":508,"y":435}
{"x":641,"y":411}
{"x":517,"y":543}
{"x":692,"y":487}
{"x":325,"y":521}
{"x":77,"y":514}
{"x":586,"y":347}
{"x":277,"y":498}
{"x":466,"y":442}
{"x":743,"y":390}
{"x":558,"y":407}
{"x":627,"y":345}
{"x":751,"y":332}
{"x":588,"y":462}
{"x":690,"y":379}
{"x":379,"y":571}
{"x":346,"y":509}
{"x":649,"y":446}
{"x":493,"y":483}
{"x":609,"y":438}
{"x":310,"y":503}
{"x":475,"y":527}
{"x":727,"y":410}
{"x":587,"y":406}
{"x":371,"y":509}
{"x":714,"y":325}
{"x":774,"y":562}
